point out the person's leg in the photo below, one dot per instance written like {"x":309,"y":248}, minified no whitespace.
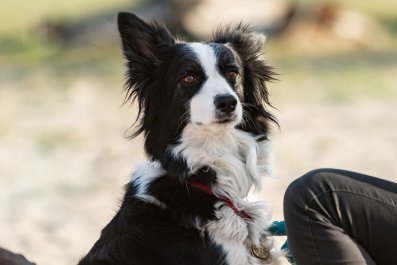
{"x":340,"y":217}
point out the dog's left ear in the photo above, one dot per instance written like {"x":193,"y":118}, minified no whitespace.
{"x":249,"y":47}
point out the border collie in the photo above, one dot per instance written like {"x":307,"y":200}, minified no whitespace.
{"x":202,"y":110}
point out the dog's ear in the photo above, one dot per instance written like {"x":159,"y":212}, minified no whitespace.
{"x":142,"y":43}
{"x":141,"y":40}
{"x":249,"y":47}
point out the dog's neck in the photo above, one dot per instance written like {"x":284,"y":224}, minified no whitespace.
{"x":237,"y":158}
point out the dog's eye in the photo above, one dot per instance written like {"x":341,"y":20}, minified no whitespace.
{"x":232,"y":75}
{"x":188,"y":79}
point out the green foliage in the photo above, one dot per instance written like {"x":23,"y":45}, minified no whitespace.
{"x":342,"y":77}
{"x":21,"y":16}
{"x":26,"y":54}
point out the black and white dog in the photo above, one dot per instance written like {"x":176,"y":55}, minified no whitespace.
{"x":202,"y":112}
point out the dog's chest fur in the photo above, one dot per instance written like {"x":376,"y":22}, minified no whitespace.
{"x":239,"y":162}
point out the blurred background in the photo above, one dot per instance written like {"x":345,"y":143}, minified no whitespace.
{"x":63,"y":155}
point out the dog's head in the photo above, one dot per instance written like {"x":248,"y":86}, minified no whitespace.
{"x":217,"y":85}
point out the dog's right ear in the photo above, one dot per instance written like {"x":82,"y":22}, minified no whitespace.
{"x":142,"y":43}
{"x":141,"y":40}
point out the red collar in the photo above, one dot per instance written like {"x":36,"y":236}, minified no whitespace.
{"x":229,"y":202}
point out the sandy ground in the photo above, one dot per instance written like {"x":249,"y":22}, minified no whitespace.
{"x":63,"y":159}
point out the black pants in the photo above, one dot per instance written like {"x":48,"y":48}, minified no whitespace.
{"x":340,"y":217}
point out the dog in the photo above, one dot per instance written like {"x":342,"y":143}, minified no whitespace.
{"x":203,"y":110}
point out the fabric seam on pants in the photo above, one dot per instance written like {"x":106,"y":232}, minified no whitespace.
{"x":316,"y":196}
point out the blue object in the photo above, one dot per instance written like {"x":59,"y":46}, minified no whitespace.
{"x":278,"y":229}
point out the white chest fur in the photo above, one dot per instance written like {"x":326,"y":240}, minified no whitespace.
{"x":237,"y":235}
{"x":240,"y":162}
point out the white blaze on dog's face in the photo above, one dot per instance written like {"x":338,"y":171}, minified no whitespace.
{"x":216,"y":102}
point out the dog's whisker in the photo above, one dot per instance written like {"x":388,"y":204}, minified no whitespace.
{"x":247,"y":118}
{"x":183,"y":119}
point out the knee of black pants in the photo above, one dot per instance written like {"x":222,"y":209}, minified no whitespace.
{"x":301,"y":191}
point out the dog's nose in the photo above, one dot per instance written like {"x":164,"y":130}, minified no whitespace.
{"x":225,"y":103}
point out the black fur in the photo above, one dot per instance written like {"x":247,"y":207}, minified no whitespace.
{"x":256,"y":73}
{"x":142,"y":233}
